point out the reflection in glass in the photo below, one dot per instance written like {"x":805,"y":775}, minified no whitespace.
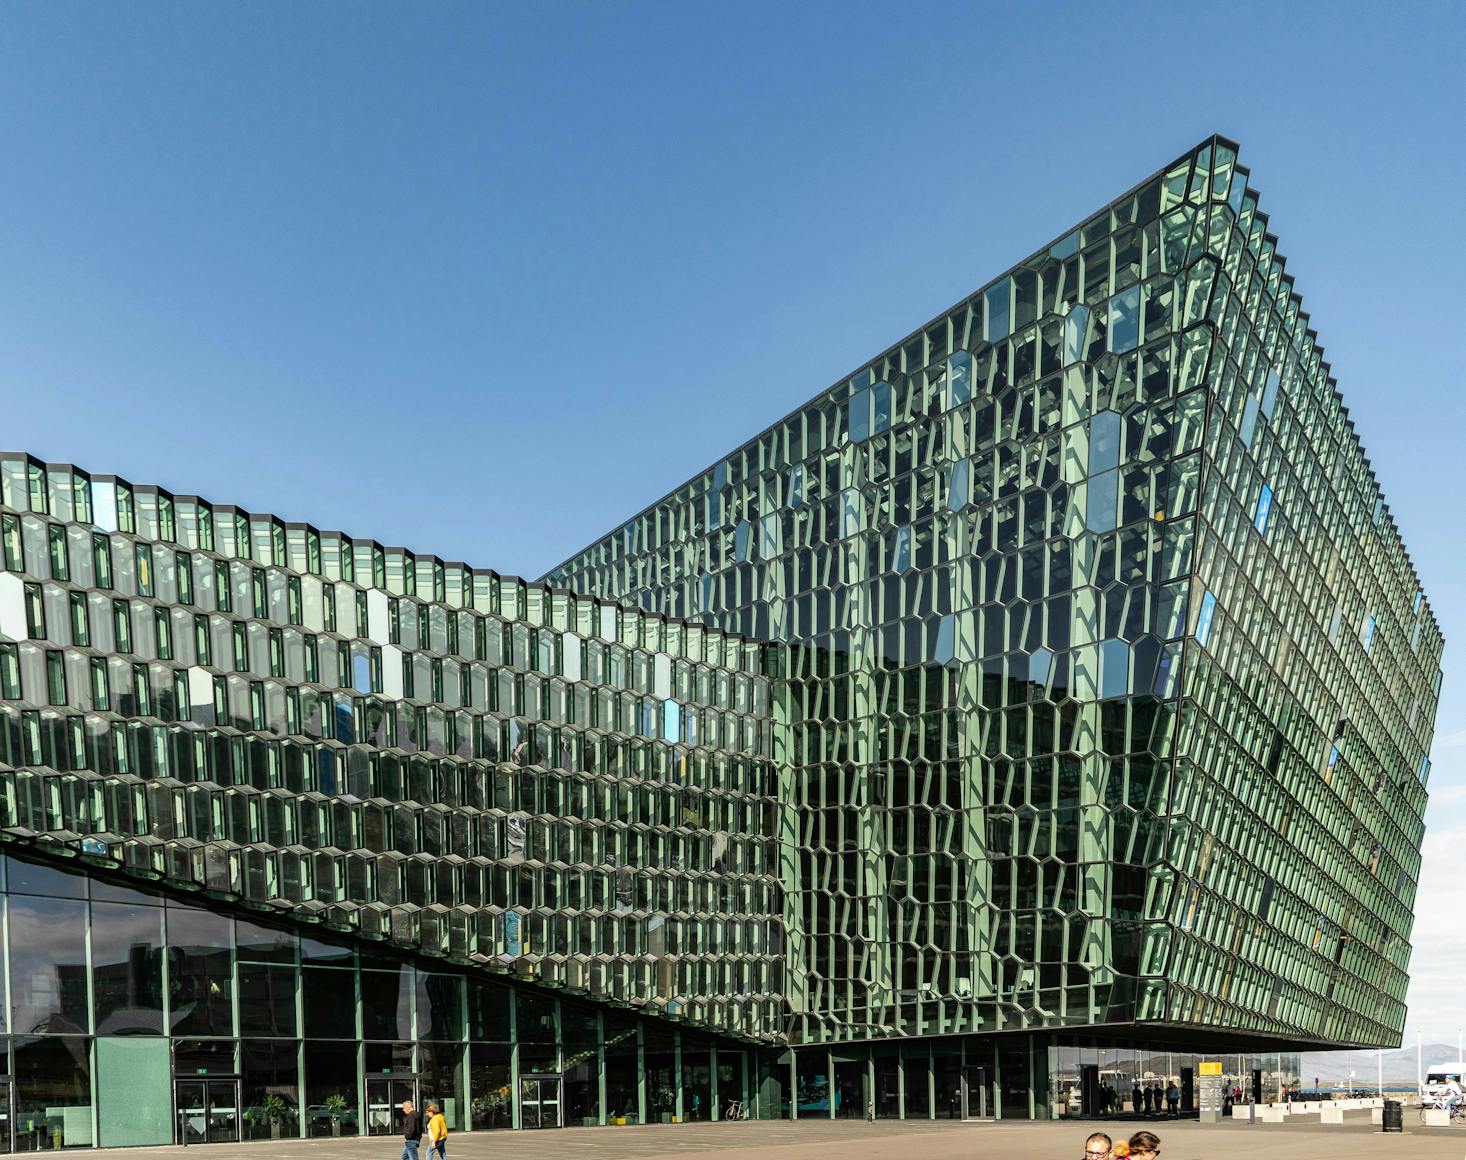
{"x":858,"y":411}
{"x":33,"y":878}
{"x":386,"y":998}
{"x":53,"y":1102}
{"x":959,"y":379}
{"x":271,"y":1094}
{"x":127,"y":969}
{"x":997,"y":300}
{"x":48,"y":965}
{"x":622,"y":1101}
{"x":488,"y":1011}
{"x":263,"y":944}
{"x":266,"y":999}
{"x":1076,"y":326}
{"x":1125,"y":320}
{"x":489,"y":1101}
{"x":441,"y":1065}
{"x":536,"y":1014}
{"x":200,"y":972}
{"x":581,"y":1064}
{"x":697,"y":1079}
{"x":328,"y":1002}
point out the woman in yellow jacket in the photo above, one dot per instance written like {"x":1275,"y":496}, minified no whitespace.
{"x":437,"y":1133}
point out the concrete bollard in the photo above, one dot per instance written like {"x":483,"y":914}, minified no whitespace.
{"x":1437,"y":1118}
{"x":1331,"y":1116}
{"x":1242,"y":1112}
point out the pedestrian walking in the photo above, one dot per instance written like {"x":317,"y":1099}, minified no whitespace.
{"x":437,"y":1133}
{"x":1097,"y":1147}
{"x":411,"y":1131}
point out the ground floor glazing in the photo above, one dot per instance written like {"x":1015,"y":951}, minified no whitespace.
{"x":135,"y":1018}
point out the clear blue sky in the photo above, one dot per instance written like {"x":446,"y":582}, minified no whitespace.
{"x":484,"y":280}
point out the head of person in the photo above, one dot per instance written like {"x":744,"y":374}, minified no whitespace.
{"x":432,"y":1109}
{"x":1145,"y":1146}
{"x":407,"y":1105}
{"x":1097,"y":1147}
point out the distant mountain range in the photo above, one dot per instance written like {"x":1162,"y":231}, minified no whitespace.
{"x":1331,"y":1068}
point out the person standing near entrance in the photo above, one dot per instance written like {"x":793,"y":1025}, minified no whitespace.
{"x":437,"y":1133}
{"x":411,"y":1131}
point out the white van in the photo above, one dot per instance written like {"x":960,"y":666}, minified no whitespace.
{"x":1436,"y":1079}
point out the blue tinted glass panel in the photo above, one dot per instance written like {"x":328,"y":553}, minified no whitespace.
{"x":957,"y":494}
{"x":901,"y":558}
{"x":859,"y":416}
{"x":1249,"y":421}
{"x":1263,"y":510}
{"x":1038,"y":666}
{"x":883,"y":407}
{"x":1114,"y":668}
{"x":1076,"y":325}
{"x":1104,"y":442}
{"x":1204,"y":619}
{"x":1270,"y":394}
{"x":1104,"y":492}
{"x":997,"y":300}
{"x":1125,"y":320}
{"x":946,"y":632}
{"x":959,"y":379}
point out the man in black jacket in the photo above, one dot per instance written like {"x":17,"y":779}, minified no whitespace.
{"x":411,"y":1131}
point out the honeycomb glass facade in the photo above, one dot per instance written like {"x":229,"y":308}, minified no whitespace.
{"x":1054,"y":693}
{"x":1107,"y":688}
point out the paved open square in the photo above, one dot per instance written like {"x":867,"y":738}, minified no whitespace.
{"x":883,"y":1140}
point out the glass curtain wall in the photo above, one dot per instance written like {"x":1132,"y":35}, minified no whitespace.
{"x":275,"y":1036}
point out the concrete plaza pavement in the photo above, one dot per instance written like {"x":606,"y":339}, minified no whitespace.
{"x":882,"y":1140}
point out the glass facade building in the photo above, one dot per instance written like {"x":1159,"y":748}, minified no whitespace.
{"x":1106,"y":687}
{"x":1044,"y":707}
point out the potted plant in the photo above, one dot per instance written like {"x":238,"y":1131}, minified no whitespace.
{"x":275,"y":1111}
{"x":335,"y":1103}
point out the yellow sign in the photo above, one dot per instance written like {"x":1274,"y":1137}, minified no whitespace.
{"x":1209,"y":1068}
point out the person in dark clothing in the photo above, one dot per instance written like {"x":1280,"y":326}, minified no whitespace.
{"x":1135,"y":1097}
{"x":411,"y":1131}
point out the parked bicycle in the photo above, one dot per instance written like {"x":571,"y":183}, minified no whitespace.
{"x":735,"y":1111}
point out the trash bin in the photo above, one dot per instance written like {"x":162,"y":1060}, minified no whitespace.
{"x":1393,"y":1119}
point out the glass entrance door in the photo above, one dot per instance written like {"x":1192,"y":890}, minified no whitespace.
{"x":975,"y":1093}
{"x":539,"y":1102}
{"x":385,"y":1094}
{"x":208,"y":1111}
